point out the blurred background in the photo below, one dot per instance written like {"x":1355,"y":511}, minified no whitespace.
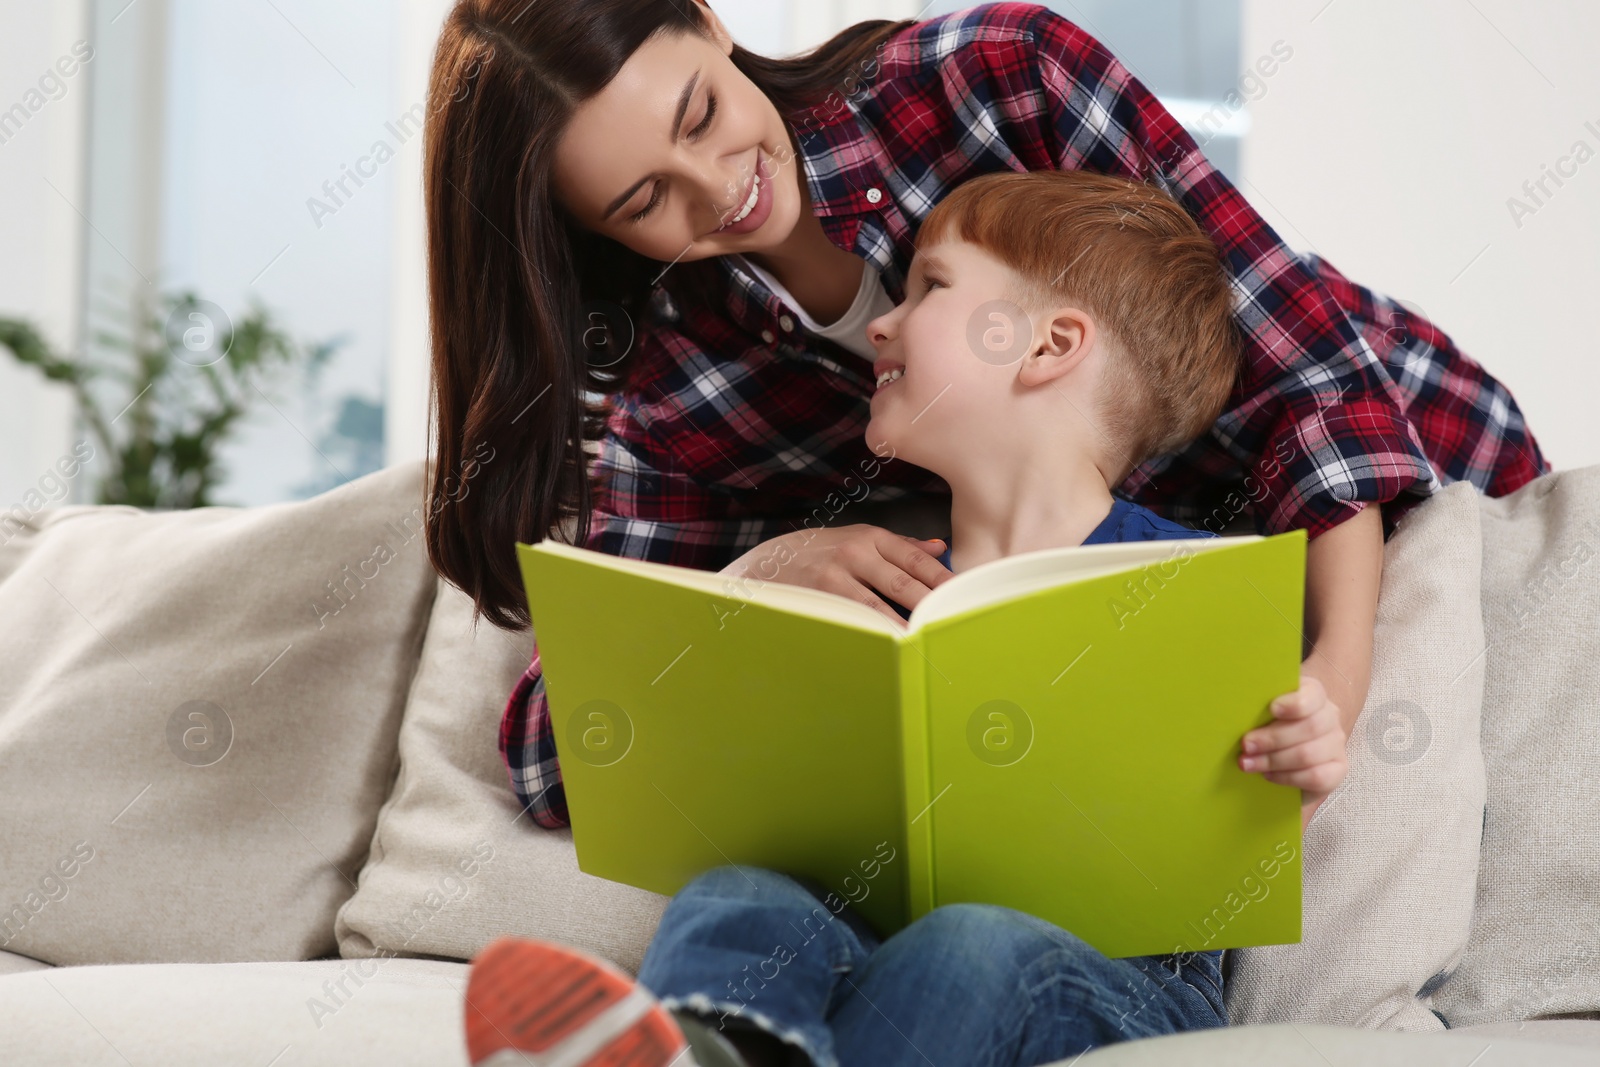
{"x":244,"y":176}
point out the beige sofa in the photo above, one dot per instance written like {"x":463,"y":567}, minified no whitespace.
{"x":255,"y":814}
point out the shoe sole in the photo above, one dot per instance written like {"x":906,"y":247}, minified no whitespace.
{"x":535,"y":1004}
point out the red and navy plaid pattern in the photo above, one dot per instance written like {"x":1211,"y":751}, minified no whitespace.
{"x":739,"y":425}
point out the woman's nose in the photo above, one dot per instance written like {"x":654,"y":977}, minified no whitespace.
{"x":721,"y":180}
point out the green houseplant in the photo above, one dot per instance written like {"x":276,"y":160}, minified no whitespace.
{"x":161,"y":395}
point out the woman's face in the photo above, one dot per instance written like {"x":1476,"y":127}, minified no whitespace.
{"x":664,"y":159}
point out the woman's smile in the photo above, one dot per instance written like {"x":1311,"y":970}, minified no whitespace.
{"x":757,"y":206}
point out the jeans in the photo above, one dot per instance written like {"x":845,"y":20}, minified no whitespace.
{"x":968,"y":985}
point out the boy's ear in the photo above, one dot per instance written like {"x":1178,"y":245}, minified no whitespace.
{"x":1065,"y":338}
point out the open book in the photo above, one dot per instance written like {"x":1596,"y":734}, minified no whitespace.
{"x":1055,"y":731}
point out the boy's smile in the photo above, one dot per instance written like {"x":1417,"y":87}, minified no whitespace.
{"x":997,"y":401}
{"x":947,"y":366}
{"x":929,"y":329}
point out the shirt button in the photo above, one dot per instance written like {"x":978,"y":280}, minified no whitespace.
{"x":767,"y":336}
{"x":874,"y":195}
{"x":786,"y":322}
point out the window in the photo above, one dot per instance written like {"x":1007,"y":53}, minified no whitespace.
{"x":234,"y":150}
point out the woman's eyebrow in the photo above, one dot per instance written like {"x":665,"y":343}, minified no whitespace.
{"x":676,"y":135}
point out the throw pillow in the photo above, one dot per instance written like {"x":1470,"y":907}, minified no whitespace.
{"x":198,"y":719}
{"x":1391,"y":857}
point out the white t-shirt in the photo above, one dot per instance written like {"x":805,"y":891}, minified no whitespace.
{"x":851,"y":330}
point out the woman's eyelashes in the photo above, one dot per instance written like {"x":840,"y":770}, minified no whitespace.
{"x":711,"y":111}
{"x":655,"y":198}
{"x":696,"y":134}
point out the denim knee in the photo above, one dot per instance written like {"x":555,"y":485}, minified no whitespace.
{"x":740,"y":902}
{"x":995,"y":933}
{"x":730,"y":882}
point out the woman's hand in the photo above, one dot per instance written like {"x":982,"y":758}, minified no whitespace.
{"x":858,"y":561}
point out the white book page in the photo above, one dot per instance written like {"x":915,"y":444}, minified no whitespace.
{"x":800,"y":599}
{"x":994,"y":582}
{"x":1013,"y":576}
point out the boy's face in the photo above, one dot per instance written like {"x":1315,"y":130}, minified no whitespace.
{"x":956,"y":341}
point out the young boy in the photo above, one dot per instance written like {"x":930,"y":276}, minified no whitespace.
{"x":1059,"y":328}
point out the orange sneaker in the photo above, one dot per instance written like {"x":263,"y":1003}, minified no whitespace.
{"x":538,"y":1004}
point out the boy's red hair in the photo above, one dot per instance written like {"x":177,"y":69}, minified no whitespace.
{"x":1133,"y":258}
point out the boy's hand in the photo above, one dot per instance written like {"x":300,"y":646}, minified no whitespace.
{"x":1304,"y":747}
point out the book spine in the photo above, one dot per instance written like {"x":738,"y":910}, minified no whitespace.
{"x":915,"y":761}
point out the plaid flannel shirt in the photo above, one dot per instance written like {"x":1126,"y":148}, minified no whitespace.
{"x":739,"y":425}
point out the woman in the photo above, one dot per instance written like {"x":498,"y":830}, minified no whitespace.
{"x":645,"y":237}
{"x":591,"y":275}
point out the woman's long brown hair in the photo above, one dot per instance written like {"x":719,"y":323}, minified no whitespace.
{"x":521,"y":298}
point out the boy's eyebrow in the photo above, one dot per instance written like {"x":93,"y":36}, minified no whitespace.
{"x":929,"y":260}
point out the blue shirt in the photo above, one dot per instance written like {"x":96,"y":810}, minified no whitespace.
{"x":1126,"y":521}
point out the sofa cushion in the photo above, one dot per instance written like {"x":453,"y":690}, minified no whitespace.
{"x":323,"y":1012}
{"x":454,"y":861}
{"x":11,"y":963}
{"x":1391,"y":857}
{"x":1535,"y":944}
{"x":1584,"y":1033}
{"x":402,"y":1011}
{"x":198,"y":719}
{"x":1311,"y":1045}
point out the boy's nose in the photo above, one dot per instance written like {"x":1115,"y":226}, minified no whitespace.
{"x":879,"y":330}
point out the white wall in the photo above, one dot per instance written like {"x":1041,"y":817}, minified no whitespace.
{"x":1391,"y":143}
{"x":41,"y":235}
{"x":813,"y":21}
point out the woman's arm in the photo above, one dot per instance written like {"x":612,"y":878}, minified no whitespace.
{"x":1306,"y":742}
{"x":1343,"y":569}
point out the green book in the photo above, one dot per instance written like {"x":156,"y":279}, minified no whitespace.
{"x":1055,"y":731}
